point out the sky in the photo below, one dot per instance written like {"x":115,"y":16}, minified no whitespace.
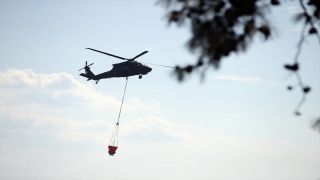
{"x":238,"y":123}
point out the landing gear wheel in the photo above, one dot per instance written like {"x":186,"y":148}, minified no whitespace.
{"x":140,"y":76}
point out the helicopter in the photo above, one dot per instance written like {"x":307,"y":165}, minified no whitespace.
{"x":124,"y":69}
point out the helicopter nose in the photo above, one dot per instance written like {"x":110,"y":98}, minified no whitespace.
{"x":149,"y":69}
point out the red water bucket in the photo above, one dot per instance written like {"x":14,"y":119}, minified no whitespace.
{"x":112,"y":150}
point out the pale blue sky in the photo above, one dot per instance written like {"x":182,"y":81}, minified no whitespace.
{"x":237,"y":124}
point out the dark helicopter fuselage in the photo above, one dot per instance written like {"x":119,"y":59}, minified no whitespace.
{"x":124,"y":69}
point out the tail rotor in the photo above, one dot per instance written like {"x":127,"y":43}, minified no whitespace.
{"x":86,"y":67}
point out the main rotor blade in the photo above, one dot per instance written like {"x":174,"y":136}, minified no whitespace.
{"x":107,"y":54}
{"x":139,"y":55}
{"x":81,"y":69}
{"x":90,"y":64}
{"x":158,"y":65}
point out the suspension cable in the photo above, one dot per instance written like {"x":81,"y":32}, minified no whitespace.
{"x":114,"y":136}
{"x":122,"y":101}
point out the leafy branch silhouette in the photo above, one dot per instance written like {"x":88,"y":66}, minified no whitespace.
{"x":222,"y":27}
{"x":294,"y":68}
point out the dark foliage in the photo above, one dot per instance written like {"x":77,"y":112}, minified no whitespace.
{"x":222,"y":27}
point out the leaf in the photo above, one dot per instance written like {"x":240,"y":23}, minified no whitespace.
{"x":174,"y":16}
{"x":294,"y":67}
{"x":249,"y":27}
{"x":275,"y":2}
{"x":265,"y":30}
{"x":298,"y":17}
{"x":306,"y":89}
{"x":189,"y":69}
{"x":313,"y":31}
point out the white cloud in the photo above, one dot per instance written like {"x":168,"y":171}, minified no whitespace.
{"x":97,"y":131}
{"x":70,"y":130}
{"x":215,"y":155}
{"x":204,"y":155}
{"x":135,"y":104}
{"x":16,"y":82}
{"x":31,"y":98}
{"x":54,"y":138}
{"x":11,"y":162}
{"x":156,"y":124}
{"x":29,"y":78}
{"x":63,"y":128}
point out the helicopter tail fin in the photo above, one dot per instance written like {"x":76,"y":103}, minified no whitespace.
{"x":84,"y":75}
{"x":88,"y":74}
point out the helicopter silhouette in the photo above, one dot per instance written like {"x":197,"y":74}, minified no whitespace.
{"x":125,"y":69}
